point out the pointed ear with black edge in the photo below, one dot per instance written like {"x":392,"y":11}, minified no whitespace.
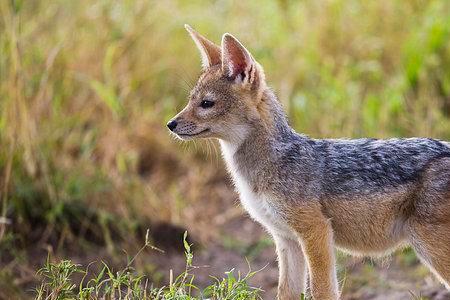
{"x":237,"y":62}
{"x":210,"y":52}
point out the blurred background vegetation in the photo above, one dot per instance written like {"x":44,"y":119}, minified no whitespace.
{"x":87,"y":86}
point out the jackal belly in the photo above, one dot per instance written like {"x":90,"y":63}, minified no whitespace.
{"x":372,"y":226}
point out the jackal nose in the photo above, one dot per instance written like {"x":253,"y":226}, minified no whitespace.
{"x":172,"y":125}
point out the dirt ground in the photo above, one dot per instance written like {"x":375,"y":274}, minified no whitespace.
{"x":398,"y":277}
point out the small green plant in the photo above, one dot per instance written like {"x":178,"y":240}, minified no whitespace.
{"x":57,"y":283}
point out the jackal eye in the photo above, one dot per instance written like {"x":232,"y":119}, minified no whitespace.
{"x":206,"y":104}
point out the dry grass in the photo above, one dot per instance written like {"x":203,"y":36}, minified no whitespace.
{"x":87,"y":86}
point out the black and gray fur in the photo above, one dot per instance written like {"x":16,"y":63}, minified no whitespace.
{"x":346,"y":167}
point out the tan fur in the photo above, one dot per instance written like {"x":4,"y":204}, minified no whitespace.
{"x":429,"y":227}
{"x":363,"y":231}
{"x":316,"y":237}
{"x":306,"y":232}
{"x":432,"y":244}
{"x":264,"y":112}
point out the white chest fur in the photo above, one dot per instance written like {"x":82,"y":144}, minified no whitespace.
{"x":260,"y":207}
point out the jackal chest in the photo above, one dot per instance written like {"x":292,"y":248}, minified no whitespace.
{"x":262,"y":207}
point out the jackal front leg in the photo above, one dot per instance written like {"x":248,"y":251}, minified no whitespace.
{"x":292,"y":268}
{"x":316,"y":237}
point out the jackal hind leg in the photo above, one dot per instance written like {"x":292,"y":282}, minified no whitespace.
{"x":432,"y":244}
{"x":430,"y":222}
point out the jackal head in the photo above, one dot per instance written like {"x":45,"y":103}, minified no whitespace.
{"x":226,"y":100}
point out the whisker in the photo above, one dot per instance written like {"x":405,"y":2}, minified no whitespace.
{"x":211,"y":158}
{"x":187,"y":83}
{"x":188,"y":78}
{"x":211,"y":150}
{"x":217,"y":152}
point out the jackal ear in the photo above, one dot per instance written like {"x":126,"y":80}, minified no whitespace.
{"x":209,"y":51}
{"x":237,"y":62}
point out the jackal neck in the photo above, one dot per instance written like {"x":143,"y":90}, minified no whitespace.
{"x":268,"y":128}
{"x":271,"y":128}
{"x":256,"y":156}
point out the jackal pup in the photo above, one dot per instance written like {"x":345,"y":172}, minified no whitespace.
{"x":364,"y":196}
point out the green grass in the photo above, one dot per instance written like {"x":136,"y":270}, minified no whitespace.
{"x":126,"y":283}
